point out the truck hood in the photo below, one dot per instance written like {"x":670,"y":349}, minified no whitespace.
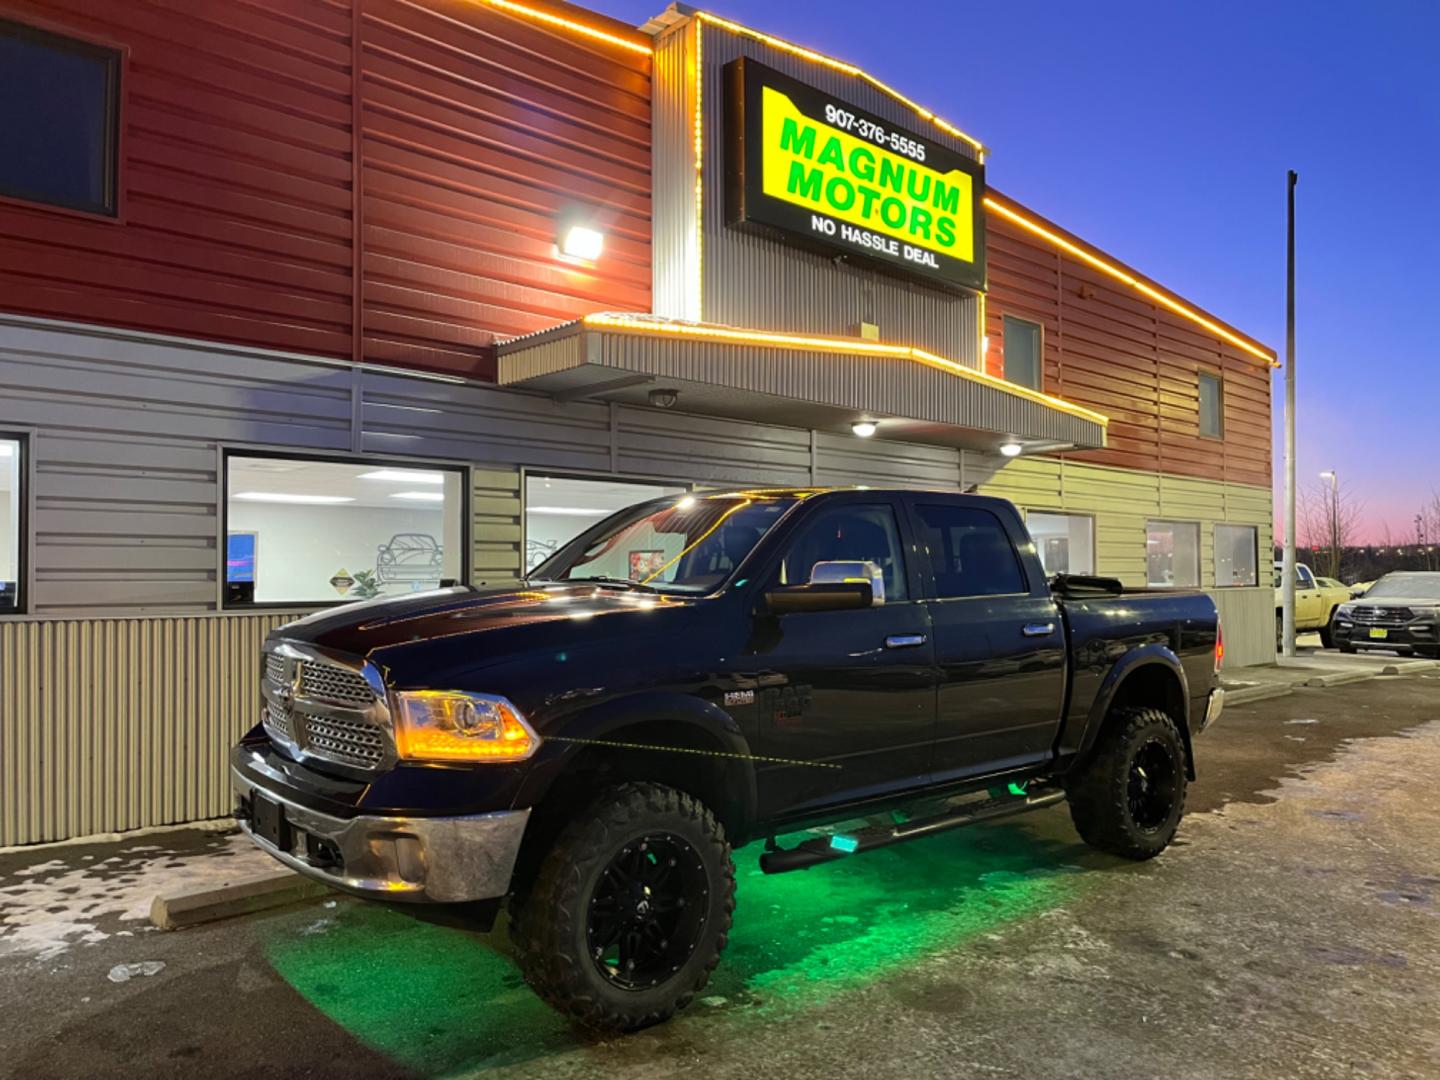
{"x":1394,"y":602}
{"x":366,"y":628}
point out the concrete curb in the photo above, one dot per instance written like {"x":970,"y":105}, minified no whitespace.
{"x":1340,"y":678}
{"x":272,"y":889}
{"x":1257,"y":693}
{"x":1410,"y":667}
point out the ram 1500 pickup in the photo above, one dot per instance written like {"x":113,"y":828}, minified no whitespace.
{"x":695,"y":673}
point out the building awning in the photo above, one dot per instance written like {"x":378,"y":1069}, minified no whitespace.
{"x":825,"y":384}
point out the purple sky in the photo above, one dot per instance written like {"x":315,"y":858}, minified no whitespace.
{"x":1162,"y":132}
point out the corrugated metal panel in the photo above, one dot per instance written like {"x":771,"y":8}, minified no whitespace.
{"x":1111,"y":349}
{"x":1248,"y":616}
{"x":676,"y":223}
{"x":755,"y":281}
{"x":235,"y":179}
{"x":482,"y":131}
{"x":120,"y":724}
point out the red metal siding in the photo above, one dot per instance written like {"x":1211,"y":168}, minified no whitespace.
{"x":1111,"y":348}
{"x":234,"y":179}
{"x":240,"y":214}
{"x":480,"y":130}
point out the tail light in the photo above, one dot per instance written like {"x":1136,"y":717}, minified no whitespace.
{"x":1219,"y":646}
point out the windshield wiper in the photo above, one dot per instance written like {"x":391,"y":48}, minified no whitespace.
{"x":601,"y":579}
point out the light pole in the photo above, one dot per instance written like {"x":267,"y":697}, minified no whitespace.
{"x":1334,"y":478}
{"x":1287,"y":578}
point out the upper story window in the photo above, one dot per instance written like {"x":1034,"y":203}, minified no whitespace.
{"x":1023,"y":356}
{"x":306,"y":531}
{"x":59,"y":119}
{"x":1212,"y":406}
{"x":12,"y":518}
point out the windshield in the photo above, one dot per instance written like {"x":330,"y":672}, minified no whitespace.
{"x":690,"y":544}
{"x":1406,"y":587}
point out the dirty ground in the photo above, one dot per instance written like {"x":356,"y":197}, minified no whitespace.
{"x":1293,"y":931}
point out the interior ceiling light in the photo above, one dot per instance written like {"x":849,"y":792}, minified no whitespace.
{"x":291,"y":497}
{"x":864,"y":428}
{"x":404,"y":476}
{"x":574,"y":511}
{"x":419,"y":496}
{"x":7,"y":449}
{"x":582,"y":243}
{"x":1011,"y":449}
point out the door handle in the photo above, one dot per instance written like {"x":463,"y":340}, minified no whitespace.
{"x":1038,"y":629}
{"x":904,"y":641}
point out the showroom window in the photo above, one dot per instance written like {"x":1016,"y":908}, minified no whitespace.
{"x":59,"y":119}
{"x":312,"y":531}
{"x":1173,"y":554}
{"x":1064,"y":542}
{"x":1212,"y":406}
{"x":1022,"y":352}
{"x":560,"y":508}
{"x":1237,"y":558}
{"x":12,"y":522}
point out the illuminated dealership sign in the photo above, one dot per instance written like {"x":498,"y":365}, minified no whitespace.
{"x":840,"y":178}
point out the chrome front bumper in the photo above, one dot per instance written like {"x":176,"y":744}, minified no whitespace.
{"x":1213,"y":708}
{"x":438,"y":860}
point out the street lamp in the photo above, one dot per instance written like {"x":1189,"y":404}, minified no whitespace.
{"x":1334,"y":478}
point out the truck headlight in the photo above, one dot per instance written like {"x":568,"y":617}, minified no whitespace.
{"x":450,"y":725}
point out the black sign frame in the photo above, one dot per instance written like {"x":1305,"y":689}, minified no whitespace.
{"x":747,"y":204}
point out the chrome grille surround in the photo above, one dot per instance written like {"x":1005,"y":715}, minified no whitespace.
{"x":321,"y":705}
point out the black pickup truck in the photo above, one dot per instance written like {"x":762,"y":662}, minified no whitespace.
{"x":695,"y":673}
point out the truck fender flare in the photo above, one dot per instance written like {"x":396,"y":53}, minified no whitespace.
{"x":1139,"y":659}
{"x":605,"y":722}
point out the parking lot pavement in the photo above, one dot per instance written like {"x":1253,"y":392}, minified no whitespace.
{"x":1292,"y":931}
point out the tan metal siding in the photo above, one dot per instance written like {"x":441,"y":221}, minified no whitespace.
{"x":496,"y":536}
{"x":115,"y":724}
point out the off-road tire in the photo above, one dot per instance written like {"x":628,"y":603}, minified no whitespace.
{"x":1099,"y":793}
{"x":548,"y":923}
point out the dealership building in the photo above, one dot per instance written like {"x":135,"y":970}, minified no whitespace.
{"x":304,"y":304}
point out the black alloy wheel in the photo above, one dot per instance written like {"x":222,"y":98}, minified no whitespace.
{"x":1151,"y":788}
{"x":1128,"y":795}
{"x":629,"y":909}
{"x":648,"y":911}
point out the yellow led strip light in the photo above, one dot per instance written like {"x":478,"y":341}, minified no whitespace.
{"x":526,"y":11}
{"x":699,"y":267}
{"x":649,"y":324}
{"x":848,"y":69}
{"x":1129,"y":279}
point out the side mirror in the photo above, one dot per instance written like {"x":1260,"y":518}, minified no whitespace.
{"x":825,"y":596}
{"x":839,"y":585}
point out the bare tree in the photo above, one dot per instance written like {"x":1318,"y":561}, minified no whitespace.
{"x":1329,"y":522}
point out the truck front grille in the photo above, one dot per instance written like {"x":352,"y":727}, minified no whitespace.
{"x":1371,"y":615}
{"x":350,"y":742}
{"x":325,"y":707}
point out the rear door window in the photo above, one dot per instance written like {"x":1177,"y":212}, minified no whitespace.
{"x":970,"y":552}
